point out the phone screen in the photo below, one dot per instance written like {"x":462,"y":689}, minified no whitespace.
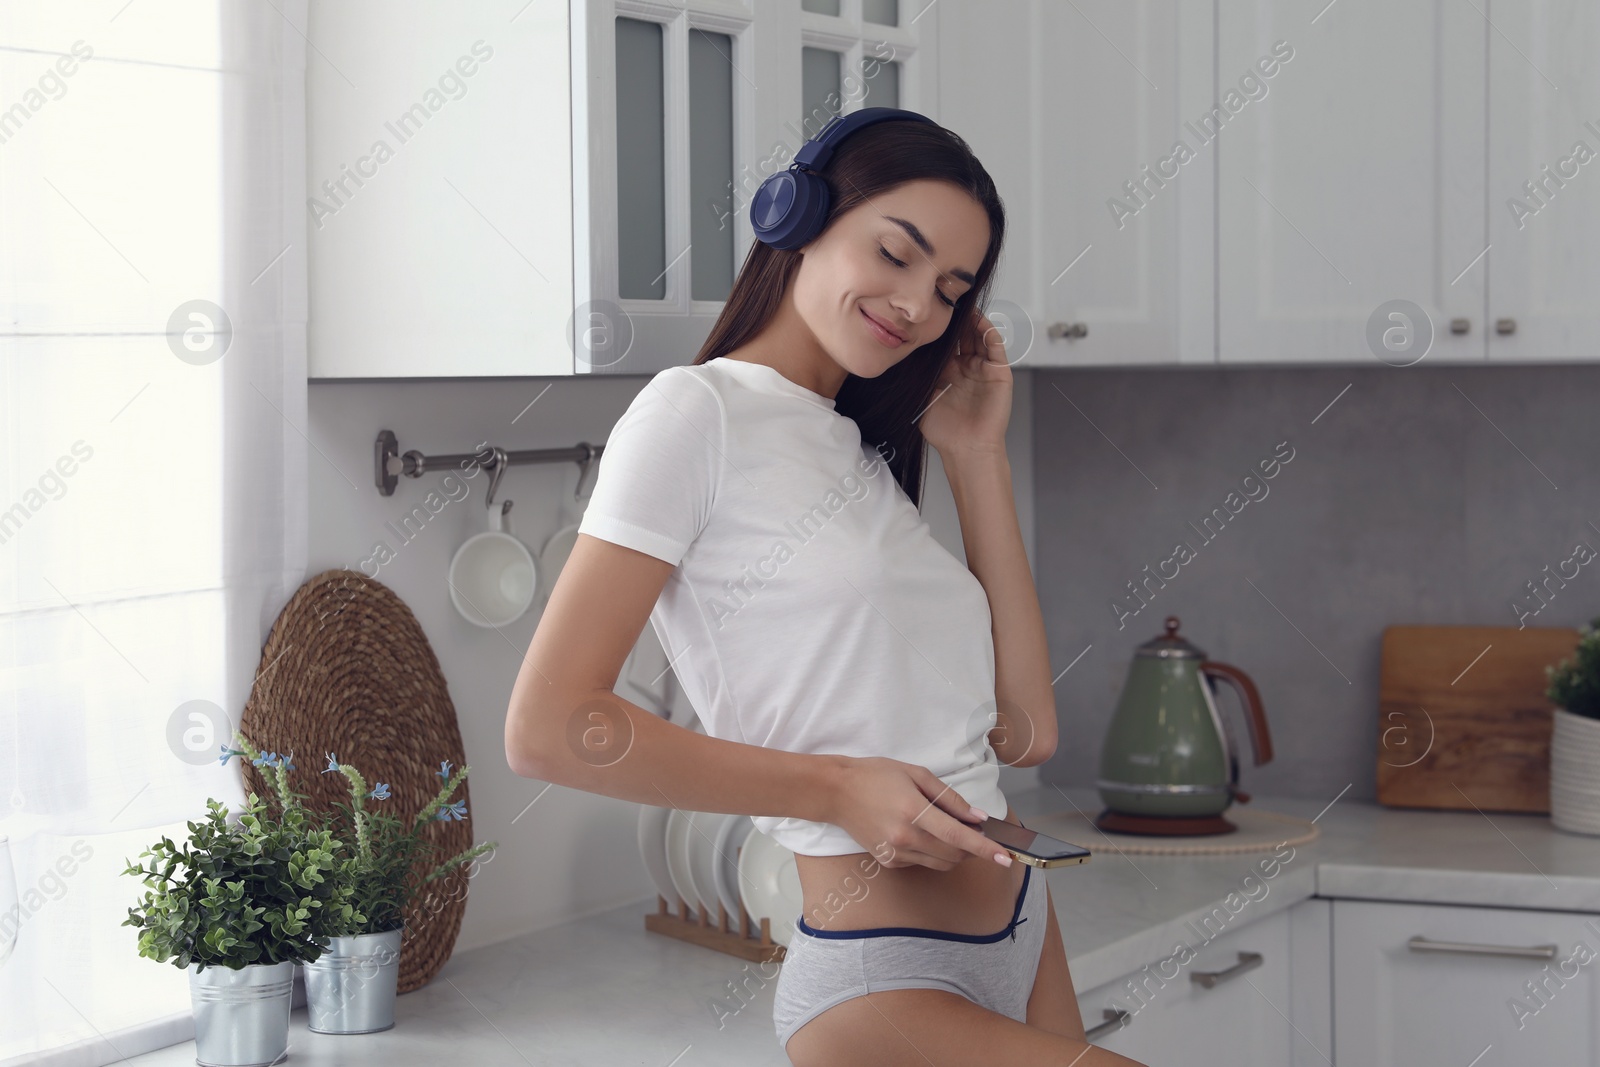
{"x":1031,"y":842}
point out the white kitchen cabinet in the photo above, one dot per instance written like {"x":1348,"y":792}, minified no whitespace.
{"x":1268,"y":1005}
{"x":1077,"y":110}
{"x":1544,"y":197}
{"x":1339,"y":193}
{"x":440,"y":182}
{"x":1357,"y":179}
{"x":1419,"y":984}
{"x":579,"y":203}
{"x":1310,"y":992}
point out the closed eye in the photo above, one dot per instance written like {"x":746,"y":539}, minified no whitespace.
{"x":944,"y":299}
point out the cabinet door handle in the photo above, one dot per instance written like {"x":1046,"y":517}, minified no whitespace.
{"x":1538,"y":952}
{"x":1460,"y":325}
{"x":1247,"y":961}
{"x":1116,"y":1019}
{"x":1069,"y":330}
{"x":1505,"y":325}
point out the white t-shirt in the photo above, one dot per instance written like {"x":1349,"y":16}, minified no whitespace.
{"x":811,"y":610}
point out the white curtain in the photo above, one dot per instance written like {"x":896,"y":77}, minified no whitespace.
{"x":152,"y":467}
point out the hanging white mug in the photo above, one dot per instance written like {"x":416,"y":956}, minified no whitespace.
{"x":492,"y":577}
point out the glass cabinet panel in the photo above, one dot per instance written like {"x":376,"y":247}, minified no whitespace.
{"x":820,"y":7}
{"x":883,"y":12}
{"x":882,"y":82}
{"x":641,"y":160}
{"x":710,"y":165}
{"x":819,"y":88}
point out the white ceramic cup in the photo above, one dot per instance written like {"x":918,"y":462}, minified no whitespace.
{"x":493,"y":577}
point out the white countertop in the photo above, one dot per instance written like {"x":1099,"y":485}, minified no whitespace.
{"x":603,"y":990}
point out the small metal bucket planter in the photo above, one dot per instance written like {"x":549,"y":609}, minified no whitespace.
{"x":350,"y":988}
{"x":241,"y":1017}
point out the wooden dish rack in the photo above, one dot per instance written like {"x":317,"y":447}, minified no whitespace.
{"x":748,"y":940}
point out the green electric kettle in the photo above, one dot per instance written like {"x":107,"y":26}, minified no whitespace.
{"x":1168,"y":765}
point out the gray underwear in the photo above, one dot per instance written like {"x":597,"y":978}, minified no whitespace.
{"x":822,"y":968}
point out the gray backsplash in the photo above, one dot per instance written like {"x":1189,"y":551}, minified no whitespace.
{"x":1423,"y":495}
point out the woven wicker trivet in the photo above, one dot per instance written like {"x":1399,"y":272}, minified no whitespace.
{"x":348,"y":670}
{"x":1258,"y":831}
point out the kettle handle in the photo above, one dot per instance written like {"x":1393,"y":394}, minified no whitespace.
{"x":1256,"y":717}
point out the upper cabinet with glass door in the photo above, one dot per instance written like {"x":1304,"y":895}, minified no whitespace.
{"x":680,"y":111}
{"x":549,"y":188}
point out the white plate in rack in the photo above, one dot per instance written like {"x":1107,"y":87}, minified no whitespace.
{"x":654,"y":823}
{"x":704,"y":826}
{"x":730,"y":838}
{"x":769,"y":883}
{"x":653,"y":849}
{"x":678,"y":857}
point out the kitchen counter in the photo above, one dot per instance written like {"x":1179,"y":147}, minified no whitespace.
{"x":603,"y":991}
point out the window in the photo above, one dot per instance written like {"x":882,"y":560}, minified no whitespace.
{"x":152,"y":390}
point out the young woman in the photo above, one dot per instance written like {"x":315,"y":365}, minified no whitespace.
{"x":858,"y":686}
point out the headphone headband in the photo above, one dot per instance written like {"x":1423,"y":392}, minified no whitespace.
{"x":815,"y":153}
{"x":790,"y":206}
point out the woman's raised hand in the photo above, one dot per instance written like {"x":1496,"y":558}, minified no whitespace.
{"x":971,"y":405}
{"x":904,"y":815}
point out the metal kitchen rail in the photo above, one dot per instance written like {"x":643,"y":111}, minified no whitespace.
{"x":389,"y":463}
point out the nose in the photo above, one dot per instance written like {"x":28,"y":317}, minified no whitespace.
{"x":913,"y":309}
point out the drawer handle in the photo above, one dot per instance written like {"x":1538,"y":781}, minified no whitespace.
{"x":1247,"y":961}
{"x":1116,"y":1019}
{"x":1538,"y":952}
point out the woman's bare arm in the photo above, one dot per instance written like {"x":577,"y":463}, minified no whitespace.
{"x":1026,"y":732}
{"x":566,"y":725}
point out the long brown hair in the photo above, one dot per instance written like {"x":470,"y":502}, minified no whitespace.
{"x":868,"y":162}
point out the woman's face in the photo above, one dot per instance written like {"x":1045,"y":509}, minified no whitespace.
{"x":881,"y":279}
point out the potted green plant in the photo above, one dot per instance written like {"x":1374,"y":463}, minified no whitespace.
{"x":1574,"y":688}
{"x":351,"y":988}
{"x":237,"y":905}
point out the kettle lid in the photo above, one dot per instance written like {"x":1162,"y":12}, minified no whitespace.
{"x":1169,"y":645}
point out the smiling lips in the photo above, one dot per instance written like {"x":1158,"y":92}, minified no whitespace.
{"x":882,"y":332}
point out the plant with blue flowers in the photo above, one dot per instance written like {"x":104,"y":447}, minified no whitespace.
{"x":386,"y":848}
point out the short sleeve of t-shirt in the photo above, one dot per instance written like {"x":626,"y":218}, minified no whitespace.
{"x":658,"y":474}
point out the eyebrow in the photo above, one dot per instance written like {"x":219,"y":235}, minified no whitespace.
{"x":922,"y":243}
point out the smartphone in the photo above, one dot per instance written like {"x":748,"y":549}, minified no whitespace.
{"x":1032,"y":847}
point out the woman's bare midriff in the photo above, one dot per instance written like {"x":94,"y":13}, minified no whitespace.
{"x":856,"y":892}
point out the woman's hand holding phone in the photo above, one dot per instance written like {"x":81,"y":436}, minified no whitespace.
{"x":904,"y":815}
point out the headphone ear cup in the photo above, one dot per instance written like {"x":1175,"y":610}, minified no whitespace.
{"x":789,"y":208}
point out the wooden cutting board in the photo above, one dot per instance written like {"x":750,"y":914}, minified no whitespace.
{"x":1463,"y":720}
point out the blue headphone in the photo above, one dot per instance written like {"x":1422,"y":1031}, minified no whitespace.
{"x":789,"y":207}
